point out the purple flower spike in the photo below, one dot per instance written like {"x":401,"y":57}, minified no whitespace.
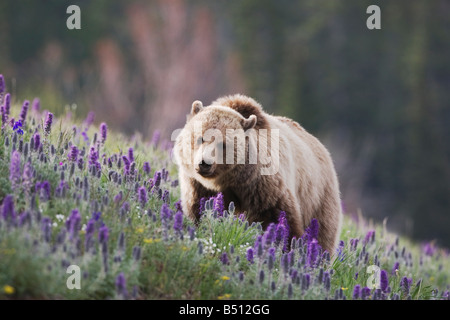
{"x":313,"y":253}
{"x":73,"y":154}
{"x":395,"y":268}
{"x":356,"y":292}
{"x":3,"y":114}
{"x":178,"y":223}
{"x":103,"y":132}
{"x":250,"y":255}
{"x":131,"y":154}
{"x":8,"y":208}
{"x":7,"y":104}
{"x":14,"y":170}
{"x":219,"y":203}
{"x":37,"y":141}
{"x":48,"y":123}
{"x":224,"y":258}
{"x":103,"y":234}
{"x":370,"y":237}
{"x":146,"y":167}
{"x":142,"y":195}
{"x":2,"y":84}
{"x":36,"y":105}
{"x":365,"y":293}
{"x":121,"y":285}
{"x":73,"y":223}
{"x":155,"y":138}
{"x":24,"y":111}
{"x":384,"y":280}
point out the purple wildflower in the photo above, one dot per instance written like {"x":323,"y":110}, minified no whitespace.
{"x":142,"y":195}
{"x":146,"y":167}
{"x":3,"y":114}
{"x":219,"y":203}
{"x":93,"y":156}
{"x":73,"y":154}
{"x":155,"y":138}
{"x":14,"y":170}
{"x":46,"y":228}
{"x":269,"y":235}
{"x":313,"y":253}
{"x":48,"y":123}
{"x":27,"y":181}
{"x":73,"y":223}
{"x":250,"y":255}
{"x":405,"y":284}
{"x":17,"y":126}
{"x":2,"y":85}
{"x":85,"y":137}
{"x":395,"y":268}
{"x":24,"y":111}
{"x":103,"y":132}
{"x":166,"y":213}
{"x":8,"y":212}
{"x":36,"y":105}
{"x":429,"y":249}
{"x":127,"y":165}
{"x":89,"y":119}
{"x":384,"y":280}
{"x":370,"y":237}
{"x":224,"y":258}
{"x":312,"y":231}
{"x":90,"y":228}
{"x":178,"y":223}
{"x":270,"y":258}
{"x":103,"y":234}
{"x":356,"y":292}
{"x":178,"y":206}
{"x":365,"y":293}
{"x":282,"y":230}
{"x":7,"y":104}
{"x":121,"y":285}
{"x":157,"y":179}
{"x":166,"y":196}
{"x":131,"y":155}
{"x":37,"y":141}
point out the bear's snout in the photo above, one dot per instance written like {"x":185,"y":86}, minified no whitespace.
{"x":205,"y":168}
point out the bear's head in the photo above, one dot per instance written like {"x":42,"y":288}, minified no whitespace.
{"x":214,"y":141}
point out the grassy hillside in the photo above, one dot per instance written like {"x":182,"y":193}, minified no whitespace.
{"x":72,"y":193}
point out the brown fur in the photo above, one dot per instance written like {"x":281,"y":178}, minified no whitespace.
{"x":305,"y":186}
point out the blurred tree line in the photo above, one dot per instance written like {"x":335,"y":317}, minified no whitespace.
{"x":378,"y":98}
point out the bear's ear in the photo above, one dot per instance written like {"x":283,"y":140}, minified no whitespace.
{"x":197,"y":106}
{"x":249,"y":123}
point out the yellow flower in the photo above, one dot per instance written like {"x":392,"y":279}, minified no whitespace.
{"x":185,"y":248}
{"x":225,"y":278}
{"x":344,"y":288}
{"x":225,"y":296}
{"x":8,"y":289}
{"x":431,"y":278}
{"x":151,"y":240}
{"x":139,"y":230}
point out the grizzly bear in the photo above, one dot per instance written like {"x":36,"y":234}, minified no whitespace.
{"x":265,"y":164}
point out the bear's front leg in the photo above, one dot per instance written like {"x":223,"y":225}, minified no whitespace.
{"x":191,"y":193}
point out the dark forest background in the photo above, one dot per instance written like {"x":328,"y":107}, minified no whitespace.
{"x":379,"y":99}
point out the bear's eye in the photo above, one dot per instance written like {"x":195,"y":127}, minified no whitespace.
{"x":200,"y":141}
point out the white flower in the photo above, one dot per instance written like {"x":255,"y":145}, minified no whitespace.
{"x":54,"y":224}
{"x":59,"y":217}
